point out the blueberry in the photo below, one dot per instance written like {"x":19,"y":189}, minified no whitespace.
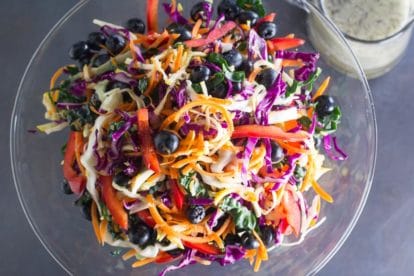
{"x":139,"y":234}
{"x":115,"y":44}
{"x":229,"y":8}
{"x":267,"y":234}
{"x":84,"y":61}
{"x":233,"y":57}
{"x":248,"y":16}
{"x":217,"y":91}
{"x":182,"y":30}
{"x":95,"y":40}
{"x":196,"y":213}
{"x":166,"y":142}
{"x":266,"y":77}
{"x":135,"y":25}
{"x":267,"y":30}
{"x":199,"y":74}
{"x":232,"y":239}
{"x":324,"y":105}
{"x":246,"y":66}
{"x":248,"y":241}
{"x":197,"y":10}
{"x":121,"y":179}
{"x":66,"y":188}
{"x":79,"y":50}
{"x":277,"y":152}
{"x":100,"y":59}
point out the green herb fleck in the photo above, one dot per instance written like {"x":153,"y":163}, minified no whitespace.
{"x":254,"y":5}
{"x":242,"y":217}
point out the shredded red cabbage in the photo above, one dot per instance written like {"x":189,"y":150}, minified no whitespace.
{"x":328,"y":140}
{"x":310,"y":59}
{"x":188,"y":259}
{"x":256,"y":46}
{"x":175,"y":15}
{"x":108,"y":31}
{"x":207,"y":12}
{"x":200,"y":201}
{"x":78,"y":88}
{"x":69,"y":105}
{"x":265,"y":106}
{"x":248,"y":150}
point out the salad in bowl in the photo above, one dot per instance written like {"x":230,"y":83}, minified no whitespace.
{"x":195,"y":142}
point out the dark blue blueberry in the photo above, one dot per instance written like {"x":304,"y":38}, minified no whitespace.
{"x":135,"y":25}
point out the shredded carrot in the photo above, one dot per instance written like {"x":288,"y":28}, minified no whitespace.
{"x":321,"y":192}
{"x":143,"y":262}
{"x":95,"y":222}
{"x":203,"y":30}
{"x":253,"y":74}
{"x":227,"y":39}
{"x":291,"y":147}
{"x":159,"y":40}
{"x":55,"y":77}
{"x":245,"y":27}
{"x":177,"y":63}
{"x":292,"y":63}
{"x":103,"y":228}
{"x":321,"y":88}
{"x":129,"y":254}
{"x":196,"y":28}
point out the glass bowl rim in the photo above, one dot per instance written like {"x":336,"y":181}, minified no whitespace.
{"x":75,"y":9}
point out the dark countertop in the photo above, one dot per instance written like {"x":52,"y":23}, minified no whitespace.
{"x":382,"y":241}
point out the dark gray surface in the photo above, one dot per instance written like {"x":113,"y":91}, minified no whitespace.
{"x":381,"y":243}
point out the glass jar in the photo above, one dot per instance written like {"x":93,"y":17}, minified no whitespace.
{"x":376,"y":56}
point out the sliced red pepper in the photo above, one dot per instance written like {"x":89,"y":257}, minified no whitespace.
{"x":146,"y":217}
{"x":76,"y":181}
{"x":152,"y":15}
{"x":284,"y":43}
{"x":212,"y":36}
{"x":273,"y":132}
{"x":177,"y":194}
{"x":292,"y":212}
{"x":163,"y":258}
{"x":268,"y":18}
{"x":149,"y":155}
{"x":203,"y":247}
{"x":115,"y":206}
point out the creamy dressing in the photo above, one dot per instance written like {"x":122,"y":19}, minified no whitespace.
{"x":368,"y":19}
{"x":365,"y":22}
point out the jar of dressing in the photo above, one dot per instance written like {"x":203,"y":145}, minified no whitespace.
{"x":378,"y":31}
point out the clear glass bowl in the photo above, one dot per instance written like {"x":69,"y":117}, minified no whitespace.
{"x":69,"y":238}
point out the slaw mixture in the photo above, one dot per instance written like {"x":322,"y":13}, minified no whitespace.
{"x":198,"y":142}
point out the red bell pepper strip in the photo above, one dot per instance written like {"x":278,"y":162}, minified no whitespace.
{"x":272,"y":132}
{"x":214,"y":35}
{"x":76,"y":182}
{"x":149,"y":154}
{"x":163,"y":258}
{"x":268,"y":18}
{"x":284,"y":43}
{"x":292,"y":211}
{"x":203,"y":247}
{"x":178,"y":196}
{"x":115,"y":206}
{"x":146,"y":217}
{"x":152,"y":15}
